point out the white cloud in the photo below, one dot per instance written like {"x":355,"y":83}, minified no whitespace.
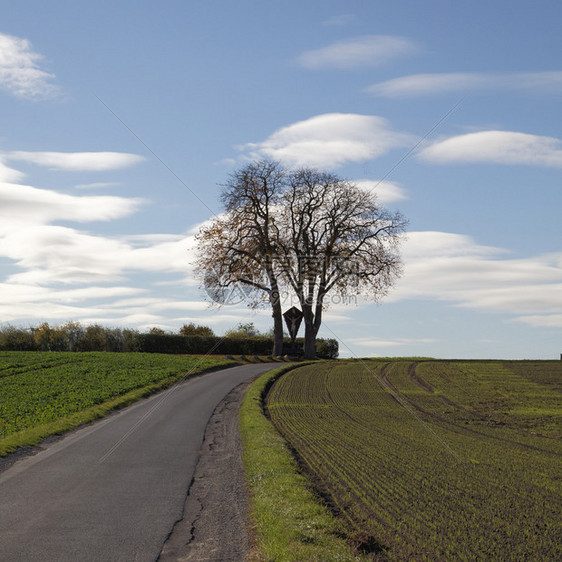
{"x":77,"y":161}
{"x":377,"y":342}
{"x":91,"y":292}
{"x":45,"y":254}
{"x":330,"y":140}
{"x":173,"y":254}
{"x":20,"y":73}
{"x":453,"y":268}
{"x":157,"y":304}
{"x":64,"y":273}
{"x":34,"y":302}
{"x":96,"y":304}
{"x":23,"y":204}
{"x":57,"y":273}
{"x":9,"y":174}
{"x":386,"y":191}
{"x":368,"y":50}
{"x":500,"y":147}
{"x":542,"y":321}
{"x":431,"y":244}
{"x":35,"y":294}
{"x":522,"y":297}
{"x":50,"y":255}
{"x":430,"y":84}
{"x":32,"y":312}
{"x":97,"y":185}
{"x":54,"y":254}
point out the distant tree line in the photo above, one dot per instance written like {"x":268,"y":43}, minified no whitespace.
{"x":245,"y":339}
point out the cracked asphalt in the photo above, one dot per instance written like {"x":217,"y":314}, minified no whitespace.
{"x":215,"y":518}
{"x":121,"y":488}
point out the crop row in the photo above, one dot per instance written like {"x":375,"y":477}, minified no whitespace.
{"x":395,"y":461}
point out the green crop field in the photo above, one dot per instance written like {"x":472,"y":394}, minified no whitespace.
{"x":432,"y":460}
{"x":48,"y":392}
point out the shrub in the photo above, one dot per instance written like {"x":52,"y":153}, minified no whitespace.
{"x":17,"y":339}
{"x":192,"y":329}
{"x":327,"y":348}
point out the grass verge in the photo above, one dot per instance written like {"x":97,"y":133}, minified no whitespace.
{"x":290,"y":521}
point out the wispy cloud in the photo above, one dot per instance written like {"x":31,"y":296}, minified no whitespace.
{"x":20,"y":72}
{"x":23,"y":204}
{"x":65,"y":273}
{"x":77,"y":161}
{"x":343,"y":19}
{"x":33,"y":303}
{"x":453,"y":268}
{"x":97,"y":185}
{"x":386,"y":191}
{"x":542,"y":320}
{"x":499,"y":147}
{"x":369,"y":50}
{"x":50,"y":254}
{"x":431,"y":84}
{"x":45,"y":253}
{"x":377,"y":342}
{"x":330,"y":140}
{"x":109,"y":305}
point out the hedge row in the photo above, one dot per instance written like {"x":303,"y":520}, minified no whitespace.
{"x":258,"y":345}
{"x":73,"y":337}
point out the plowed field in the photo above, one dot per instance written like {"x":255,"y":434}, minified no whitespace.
{"x":433,"y":460}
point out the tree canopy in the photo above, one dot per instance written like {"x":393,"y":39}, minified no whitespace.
{"x":303,"y":234}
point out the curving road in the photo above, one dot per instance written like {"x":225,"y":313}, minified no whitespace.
{"x":113,"y":490}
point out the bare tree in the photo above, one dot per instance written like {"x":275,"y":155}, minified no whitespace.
{"x":237,"y":251}
{"x":310,"y":231}
{"x":336,"y":239}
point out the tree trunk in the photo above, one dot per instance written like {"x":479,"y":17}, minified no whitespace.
{"x":309,"y":333}
{"x":277,"y":313}
{"x":309,"y":341}
{"x":277,"y":331}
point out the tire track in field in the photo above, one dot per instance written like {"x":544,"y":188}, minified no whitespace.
{"x":314,"y":455}
{"x":412,"y":372}
{"x":335,"y":404}
{"x":417,"y":379}
{"x":372,"y":487}
{"x":438,"y":418}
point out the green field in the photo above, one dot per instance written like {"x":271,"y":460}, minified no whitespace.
{"x":432,"y":460}
{"x":42,"y":393}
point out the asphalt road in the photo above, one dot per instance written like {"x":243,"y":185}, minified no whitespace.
{"x":113,"y":490}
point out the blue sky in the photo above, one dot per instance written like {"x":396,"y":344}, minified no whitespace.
{"x":120,"y":121}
